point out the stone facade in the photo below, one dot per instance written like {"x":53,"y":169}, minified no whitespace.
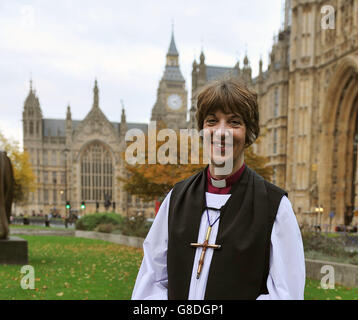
{"x":308,"y":99}
{"x":322,"y":130}
{"x":77,"y":161}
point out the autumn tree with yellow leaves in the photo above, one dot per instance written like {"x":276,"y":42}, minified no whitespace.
{"x":25,"y":180}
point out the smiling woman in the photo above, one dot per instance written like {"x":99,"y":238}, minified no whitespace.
{"x":228,"y":113}
{"x":223,"y":236}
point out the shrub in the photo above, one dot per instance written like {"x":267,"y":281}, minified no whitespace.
{"x":91,"y":221}
{"x":136,"y":226}
{"x":313,"y":241}
{"x":105,"y":227}
{"x":320,"y":246}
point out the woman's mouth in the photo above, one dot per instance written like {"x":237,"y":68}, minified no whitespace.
{"x":221,"y":146}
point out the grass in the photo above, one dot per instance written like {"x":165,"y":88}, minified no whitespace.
{"x":74,"y":268}
{"x":314,"y":291}
{"x":81,"y":269}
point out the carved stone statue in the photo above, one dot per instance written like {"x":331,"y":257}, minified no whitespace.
{"x":6,"y":193}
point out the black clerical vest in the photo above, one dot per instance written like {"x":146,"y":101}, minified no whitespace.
{"x":238,"y":270}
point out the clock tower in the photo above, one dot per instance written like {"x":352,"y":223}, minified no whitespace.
{"x":171,"y":104}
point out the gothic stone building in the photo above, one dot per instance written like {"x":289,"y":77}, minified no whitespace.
{"x":309,"y":110}
{"x":308,"y":100}
{"x":77,"y":161}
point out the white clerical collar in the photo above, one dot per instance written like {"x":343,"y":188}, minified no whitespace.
{"x":218,"y":183}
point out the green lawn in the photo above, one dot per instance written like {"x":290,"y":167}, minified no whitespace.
{"x":314,"y":291}
{"x":76,"y":268}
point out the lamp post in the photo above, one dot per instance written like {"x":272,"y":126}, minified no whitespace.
{"x":320,"y":215}
{"x":316,"y":210}
{"x":61,"y":195}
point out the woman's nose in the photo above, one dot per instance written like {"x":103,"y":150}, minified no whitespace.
{"x":222,"y":129}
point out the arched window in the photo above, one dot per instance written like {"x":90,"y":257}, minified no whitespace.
{"x":276,"y":103}
{"x":96,"y":173}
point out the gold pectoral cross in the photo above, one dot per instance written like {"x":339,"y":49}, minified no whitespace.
{"x":204,"y":245}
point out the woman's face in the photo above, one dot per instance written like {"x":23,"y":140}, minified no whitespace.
{"x":225,"y":134}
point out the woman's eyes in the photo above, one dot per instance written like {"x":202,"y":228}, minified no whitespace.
{"x":211,"y":121}
{"x":232,"y":122}
{"x":236,"y":122}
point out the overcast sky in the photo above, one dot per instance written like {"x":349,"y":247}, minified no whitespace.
{"x":64,"y":45}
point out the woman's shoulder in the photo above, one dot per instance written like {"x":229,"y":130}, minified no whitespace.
{"x":271,"y":188}
{"x":189,"y":180}
{"x":274,"y":188}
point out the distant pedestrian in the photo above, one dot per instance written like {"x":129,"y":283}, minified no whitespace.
{"x":47,"y":221}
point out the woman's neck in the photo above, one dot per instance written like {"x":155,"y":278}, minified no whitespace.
{"x":235,"y":168}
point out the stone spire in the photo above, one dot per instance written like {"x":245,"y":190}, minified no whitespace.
{"x":32,"y":116}
{"x":202,"y":58}
{"x":202,"y":70}
{"x":32,"y":103}
{"x":287,"y":14}
{"x":123,"y":125}
{"x":172,"y":71}
{"x":123,"y":116}
{"x":173,"y":54}
{"x":95,"y":95}
{"x":246,"y":71}
{"x":173,"y":51}
{"x":68,"y":114}
{"x":68,"y":127}
{"x":246,"y":61}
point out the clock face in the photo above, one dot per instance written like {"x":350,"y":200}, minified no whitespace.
{"x":174,"y":102}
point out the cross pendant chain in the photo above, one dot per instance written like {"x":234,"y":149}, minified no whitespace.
{"x":204,"y":245}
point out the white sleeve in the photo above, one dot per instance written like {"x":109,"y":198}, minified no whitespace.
{"x":152,"y":279}
{"x":286,"y":280}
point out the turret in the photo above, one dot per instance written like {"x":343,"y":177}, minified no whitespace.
{"x":123,"y":126}
{"x":173,"y":54}
{"x":194,"y":76}
{"x":202,"y":70}
{"x":32,"y":116}
{"x":68,"y":126}
{"x":246,"y":71}
{"x":95,"y":95}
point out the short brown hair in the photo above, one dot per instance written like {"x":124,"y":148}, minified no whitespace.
{"x":230,"y":96}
